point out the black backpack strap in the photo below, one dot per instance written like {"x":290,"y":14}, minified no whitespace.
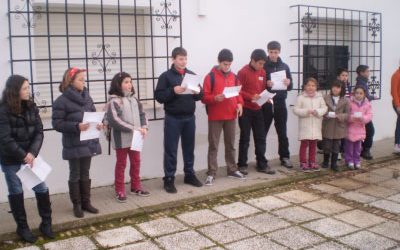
{"x":212,"y":81}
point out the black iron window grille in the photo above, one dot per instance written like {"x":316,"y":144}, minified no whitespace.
{"x":329,"y":38}
{"x":104,"y":37}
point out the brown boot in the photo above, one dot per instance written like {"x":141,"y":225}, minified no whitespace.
{"x":85,"y":197}
{"x":75,"y":195}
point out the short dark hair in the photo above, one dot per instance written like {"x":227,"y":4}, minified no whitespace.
{"x":274,"y":45}
{"x":258,"y":54}
{"x":339,"y":84}
{"x":178,"y":51}
{"x":225,"y":55}
{"x":115,"y":86}
{"x":310,"y":79}
{"x":339,"y":71}
{"x":361,"y":68}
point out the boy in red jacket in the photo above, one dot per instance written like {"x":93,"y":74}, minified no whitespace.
{"x":253,"y":80}
{"x":222,"y":113}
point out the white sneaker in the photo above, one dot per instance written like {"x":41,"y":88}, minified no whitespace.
{"x":209,"y":181}
{"x":357,"y":166}
{"x":396,"y":149}
{"x":237,"y":175}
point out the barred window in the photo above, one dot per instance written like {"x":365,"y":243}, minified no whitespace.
{"x":329,"y":38}
{"x":104,"y":37}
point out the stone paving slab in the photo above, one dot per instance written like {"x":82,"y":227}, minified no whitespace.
{"x":81,"y":242}
{"x":297,"y":196}
{"x":147,"y":245}
{"x":263,"y":223}
{"x":226,"y":232}
{"x":388,"y":229}
{"x":162,"y":226}
{"x":200,"y":217}
{"x":386,"y":172}
{"x":329,"y":189}
{"x":268,"y":203}
{"x":366,"y":240}
{"x":327,"y":207}
{"x":389,"y":206}
{"x":118,"y":236}
{"x":346,"y":183}
{"x":330,"y":227}
{"x":355,"y":196}
{"x":377,"y":191}
{"x":369,"y":178}
{"x":29,"y":248}
{"x":329,"y":246}
{"x":188,"y":240}
{"x":392,"y":183}
{"x":256,"y":243}
{"x":360,"y":218}
{"x":295,"y":238}
{"x":236,"y":210}
{"x":297,"y":214}
{"x":395,"y":198}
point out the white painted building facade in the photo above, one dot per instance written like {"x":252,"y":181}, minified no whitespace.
{"x":204,"y":27}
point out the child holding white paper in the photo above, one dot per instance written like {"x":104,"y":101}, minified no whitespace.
{"x":310,"y":108}
{"x":334,"y":123}
{"x":67,"y":118}
{"x":21,"y":137}
{"x":125,"y":115}
{"x":360,"y":113}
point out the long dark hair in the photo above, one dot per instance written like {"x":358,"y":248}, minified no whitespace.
{"x":115,"y":87}
{"x":339,"y":84}
{"x":11,"y":96}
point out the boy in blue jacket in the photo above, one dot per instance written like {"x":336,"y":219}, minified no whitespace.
{"x":180,"y":120}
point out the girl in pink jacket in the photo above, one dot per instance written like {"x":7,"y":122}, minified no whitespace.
{"x":359,"y":115}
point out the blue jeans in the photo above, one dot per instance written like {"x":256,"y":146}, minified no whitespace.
{"x":14,"y":183}
{"x":176,"y":127}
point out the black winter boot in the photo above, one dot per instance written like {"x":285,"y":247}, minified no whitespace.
{"x":169,"y":185}
{"x":334,"y":162}
{"x":85,"y":197}
{"x":366,"y":154}
{"x":75,"y":195}
{"x":44,"y":207}
{"x":16,"y":202}
{"x":325,"y":163}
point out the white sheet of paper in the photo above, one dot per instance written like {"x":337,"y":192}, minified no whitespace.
{"x":93,"y":118}
{"x":31,"y":177}
{"x":230,"y":92}
{"x":358,"y":114}
{"x":137,"y":141}
{"x":331,"y":114}
{"x":264,"y":97}
{"x":191,"y":83}
{"x":277,"y":79}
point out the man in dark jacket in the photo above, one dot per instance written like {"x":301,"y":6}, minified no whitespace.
{"x":362,"y":80}
{"x":179,"y":120}
{"x":277,"y":110}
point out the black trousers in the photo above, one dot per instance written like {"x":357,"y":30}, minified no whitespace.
{"x":278,"y":113}
{"x":252,"y":120}
{"x":369,"y":137}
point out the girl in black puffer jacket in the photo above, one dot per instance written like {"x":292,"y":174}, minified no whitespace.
{"x":67,"y":118}
{"x":21,"y":137}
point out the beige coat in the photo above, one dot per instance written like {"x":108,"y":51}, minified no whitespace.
{"x":310,"y":125}
{"x":335,"y":128}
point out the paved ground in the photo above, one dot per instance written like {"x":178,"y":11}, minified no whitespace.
{"x":350,"y":210}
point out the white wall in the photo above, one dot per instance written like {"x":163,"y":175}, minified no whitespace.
{"x":240,"y":26}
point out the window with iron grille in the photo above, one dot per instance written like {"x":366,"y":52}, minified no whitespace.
{"x":332,"y":38}
{"x":104,"y":37}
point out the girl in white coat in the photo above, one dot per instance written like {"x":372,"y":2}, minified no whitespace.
{"x":310,"y":108}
